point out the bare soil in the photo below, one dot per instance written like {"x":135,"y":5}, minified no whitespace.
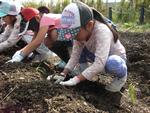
{"x":24,"y":88}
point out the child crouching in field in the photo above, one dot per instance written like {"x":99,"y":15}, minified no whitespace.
{"x":95,"y":41}
{"x":9,"y":14}
{"x":45,"y":31}
{"x":15,"y":29}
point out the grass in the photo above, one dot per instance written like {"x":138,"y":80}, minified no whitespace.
{"x":132,"y":93}
{"x":32,"y":4}
{"x":123,"y":27}
{"x":134,"y":27}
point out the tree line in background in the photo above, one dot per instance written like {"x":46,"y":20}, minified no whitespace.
{"x":123,"y":11}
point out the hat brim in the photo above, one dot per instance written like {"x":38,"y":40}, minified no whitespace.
{"x":68,"y":34}
{"x":2,"y":14}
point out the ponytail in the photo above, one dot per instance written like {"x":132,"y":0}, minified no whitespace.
{"x":99,"y":17}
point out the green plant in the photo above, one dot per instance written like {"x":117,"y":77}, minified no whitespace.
{"x":132,"y":93}
{"x":134,"y":27}
{"x":41,"y":69}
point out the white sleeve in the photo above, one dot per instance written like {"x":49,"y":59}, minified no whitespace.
{"x":103,"y":42}
{"x":11,"y":40}
{"x":75,"y":55}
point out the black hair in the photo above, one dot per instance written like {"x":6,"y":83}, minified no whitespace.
{"x":22,"y":25}
{"x":33,"y":25}
{"x":2,"y":27}
{"x":99,"y":17}
{"x":43,"y":9}
{"x":15,"y":19}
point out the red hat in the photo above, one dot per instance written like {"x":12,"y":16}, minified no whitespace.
{"x":29,"y":13}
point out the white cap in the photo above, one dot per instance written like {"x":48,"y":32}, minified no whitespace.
{"x":74,"y":16}
{"x":70,"y":16}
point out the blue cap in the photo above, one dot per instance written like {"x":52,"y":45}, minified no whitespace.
{"x":4,"y":8}
{"x":8,"y":8}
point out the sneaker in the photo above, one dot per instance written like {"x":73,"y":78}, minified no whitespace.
{"x":116,"y":84}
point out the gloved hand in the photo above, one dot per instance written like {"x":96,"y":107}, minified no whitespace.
{"x":17,"y":57}
{"x":57,"y":78}
{"x":72,"y":82}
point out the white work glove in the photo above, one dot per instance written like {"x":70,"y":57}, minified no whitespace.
{"x":72,"y":82}
{"x":57,"y":78}
{"x":17,"y":57}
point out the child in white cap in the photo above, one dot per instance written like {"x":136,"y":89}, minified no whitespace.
{"x":95,"y":41}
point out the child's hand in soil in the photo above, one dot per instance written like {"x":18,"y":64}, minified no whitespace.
{"x":72,"y":82}
{"x":57,"y":78}
{"x":17,"y":57}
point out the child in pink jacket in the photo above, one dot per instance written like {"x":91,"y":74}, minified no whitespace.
{"x":45,"y":31}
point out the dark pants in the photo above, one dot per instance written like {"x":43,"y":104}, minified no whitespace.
{"x":61,"y":49}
